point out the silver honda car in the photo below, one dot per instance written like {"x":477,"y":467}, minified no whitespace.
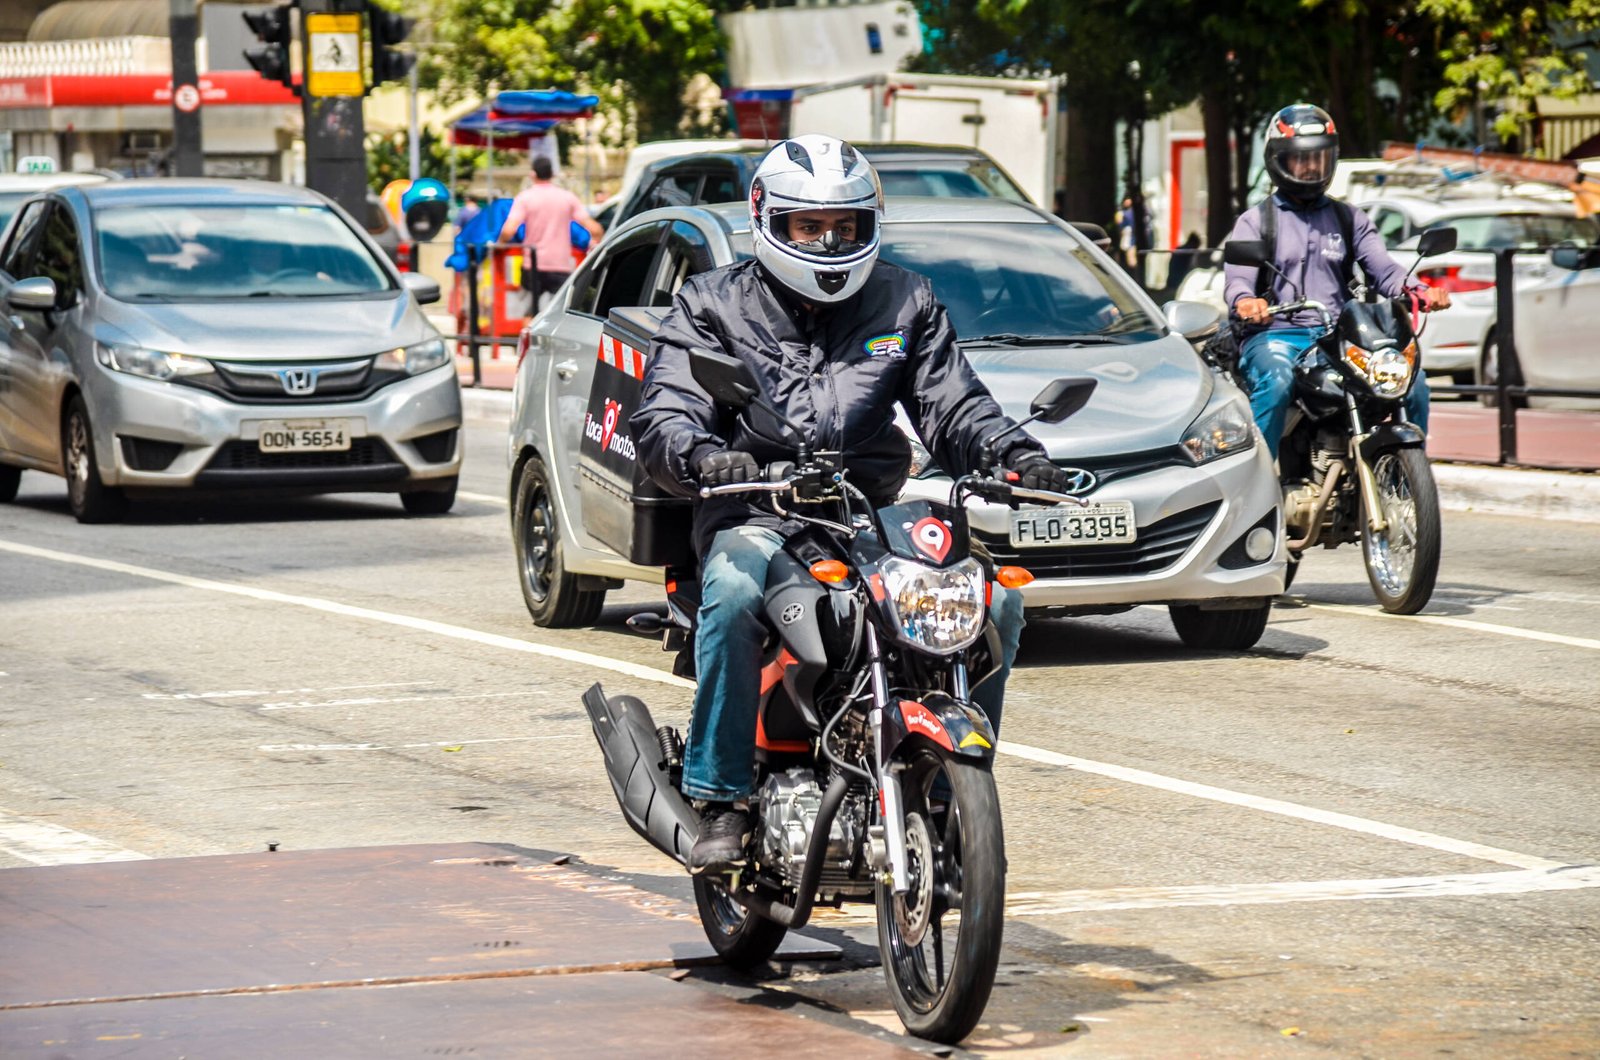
{"x":216,"y":336}
{"x":1181,"y":498}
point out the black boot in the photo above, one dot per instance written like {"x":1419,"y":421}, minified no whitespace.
{"x":724,"y":834}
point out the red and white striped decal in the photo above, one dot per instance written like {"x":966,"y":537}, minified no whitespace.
{"x":621,"y":356}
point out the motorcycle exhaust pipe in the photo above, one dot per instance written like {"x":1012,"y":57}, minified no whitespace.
{"x":797,"y":915}
{"x":637,"y":769}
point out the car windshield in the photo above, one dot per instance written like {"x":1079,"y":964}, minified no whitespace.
{"x":174,"y":252}
{"x":1015,"y":282}
{"x":1526,"y":231}
{"x":963,"y":180}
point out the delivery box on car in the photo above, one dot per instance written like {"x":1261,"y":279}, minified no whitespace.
{"x":622,"y":506}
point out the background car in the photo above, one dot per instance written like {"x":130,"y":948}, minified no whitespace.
{"x":1164,"y":442}
{"x":17,"y":188}
{"x":1462,"y":342}
{"x":217,"y":335}
{"x":1555,"y":315}
{"x":904,"y":169}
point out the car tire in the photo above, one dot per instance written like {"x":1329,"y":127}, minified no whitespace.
{"x":91,"y":500}
{"x":1219,"y":630}
{"x":430,"y":502}
{"x":553,"y":595}
{"x":10,"y":480}
{"x":1489,"y":374}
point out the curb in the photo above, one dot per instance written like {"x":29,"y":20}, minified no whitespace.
{"x":1571,"y":496}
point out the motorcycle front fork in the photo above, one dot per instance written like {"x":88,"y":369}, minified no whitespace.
{"x":1376,"y":521}
{"x":889,"y":795}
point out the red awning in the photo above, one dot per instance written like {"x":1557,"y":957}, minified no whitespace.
{"x":218,"y":88}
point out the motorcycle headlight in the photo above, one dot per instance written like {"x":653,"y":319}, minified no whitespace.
{"x":938,"y":610}
{"x":413,"y":360}
{"x":1223,"y":431}
{"x":152,"y":364}
{"x":1387,"y":371}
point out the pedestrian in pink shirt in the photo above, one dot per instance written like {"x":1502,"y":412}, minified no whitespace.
{"x":546,"y":212}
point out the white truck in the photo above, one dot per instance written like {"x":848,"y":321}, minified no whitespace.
{"x":1017,"y":122}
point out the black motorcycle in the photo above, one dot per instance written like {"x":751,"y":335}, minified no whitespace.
{"x":873,"y":765}
{"x":1351,"y":466}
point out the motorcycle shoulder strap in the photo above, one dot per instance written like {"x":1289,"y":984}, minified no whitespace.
{"x":1269,"y":236}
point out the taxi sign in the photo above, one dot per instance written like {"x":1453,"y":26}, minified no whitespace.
{"x":36,"y":164}
{"x":333,"y":55}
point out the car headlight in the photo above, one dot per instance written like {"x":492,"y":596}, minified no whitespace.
{"x":152,"y":364}
{"x":1388,"y":371}
{"x":413,"y":360}
{"x":1223,"y":431}
{"x":922,"y":465}
{"x":940,"y":610}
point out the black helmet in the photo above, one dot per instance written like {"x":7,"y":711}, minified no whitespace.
{"x":1301,"y":151}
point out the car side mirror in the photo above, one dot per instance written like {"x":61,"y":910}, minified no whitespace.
{"x":1245,"y":252}
{"x":1060,"y":398}
{"x":424,"y":289}
{"x":1436,"y":241}
{"x":1193,"y":320}
{"x":38,"y":292}
{"x":727,"y":379}
{"x":1575,"y":258}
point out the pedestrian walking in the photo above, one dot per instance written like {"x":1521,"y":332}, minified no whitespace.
{"x":546,"y":212}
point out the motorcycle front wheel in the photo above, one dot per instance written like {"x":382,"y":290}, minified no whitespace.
{"x":741,"y":938}
{"x":1403,"y":558}
{"x":940,"y":941}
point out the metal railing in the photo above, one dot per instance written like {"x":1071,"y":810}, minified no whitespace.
{"x":1168,"y":268}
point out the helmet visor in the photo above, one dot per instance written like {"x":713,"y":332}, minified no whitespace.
{"x":1310,"y":165}
{"x":823,"y":233}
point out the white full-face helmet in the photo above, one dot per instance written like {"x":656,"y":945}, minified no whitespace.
{"x":815,"y":172}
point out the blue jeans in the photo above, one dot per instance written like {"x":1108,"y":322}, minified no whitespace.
{"x":1268,"y":359}
{"x":719,"y":756}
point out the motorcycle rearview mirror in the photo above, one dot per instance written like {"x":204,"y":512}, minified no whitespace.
{"x":1436,"y":241}
{"x":1252,"y":252}
{"x":728,"y":380}
{"x":1060,"y":398}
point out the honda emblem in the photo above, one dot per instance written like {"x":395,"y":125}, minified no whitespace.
{"x":298,"y":382}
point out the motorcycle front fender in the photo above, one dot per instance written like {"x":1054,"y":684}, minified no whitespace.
{"x":1390,"y":436}
{"x":959,"y":727}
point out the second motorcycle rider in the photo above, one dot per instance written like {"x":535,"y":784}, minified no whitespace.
{"x":835,"y":339}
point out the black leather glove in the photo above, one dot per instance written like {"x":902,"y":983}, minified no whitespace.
{"x":1037,"y":472}
{"x":727,"y":466}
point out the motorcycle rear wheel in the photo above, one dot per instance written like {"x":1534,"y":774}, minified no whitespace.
{"x":1403,"y":559}
{"x":741,"y":938}
{"x":940,"y":981}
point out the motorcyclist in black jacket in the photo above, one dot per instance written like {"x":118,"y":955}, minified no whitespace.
{"x":835,"y":338}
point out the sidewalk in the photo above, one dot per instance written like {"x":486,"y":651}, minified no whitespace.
{"x":1463,"y":441}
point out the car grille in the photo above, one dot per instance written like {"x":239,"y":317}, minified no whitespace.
{"x":1159,"y":546}
{"x":257,"y":381}
{"x":247,"y":456}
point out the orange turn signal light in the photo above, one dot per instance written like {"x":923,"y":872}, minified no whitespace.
{"x":1013,"y":577}
{"x":831,"y":571}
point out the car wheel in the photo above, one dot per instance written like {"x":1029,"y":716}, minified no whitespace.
{"x":430,"y":502}
{"x":91,"y":500}
{"x":1489,"y":374}
{"x":553,"y":595}
{"x":10,"y":480}
{"x":1219,"y":630}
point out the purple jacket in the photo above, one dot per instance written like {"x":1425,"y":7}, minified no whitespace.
{"x":1310,"y":250}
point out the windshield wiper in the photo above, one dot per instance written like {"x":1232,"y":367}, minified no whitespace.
{"x":1009,"y":339}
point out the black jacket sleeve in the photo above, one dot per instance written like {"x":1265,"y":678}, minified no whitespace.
{"x":950,"y":407}
{"x":676,"y":423}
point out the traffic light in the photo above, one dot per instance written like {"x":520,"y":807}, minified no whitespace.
{"x":389,"y":28}
{"x":271,"y":59}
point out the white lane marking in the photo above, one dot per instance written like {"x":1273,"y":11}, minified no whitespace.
{"x":1522,"y":881}
{"x":483,"y":498}
{"x":1284,"y":809}
{"x":443,"y":629}
{"x":369,"y":701}
{"x":50,"y":844}
{"x":241,"y":693}
{"x":1462,"y":623}
{"x":411,"y":746}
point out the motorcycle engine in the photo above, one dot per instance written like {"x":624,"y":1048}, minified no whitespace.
{"x":789,"y":802}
